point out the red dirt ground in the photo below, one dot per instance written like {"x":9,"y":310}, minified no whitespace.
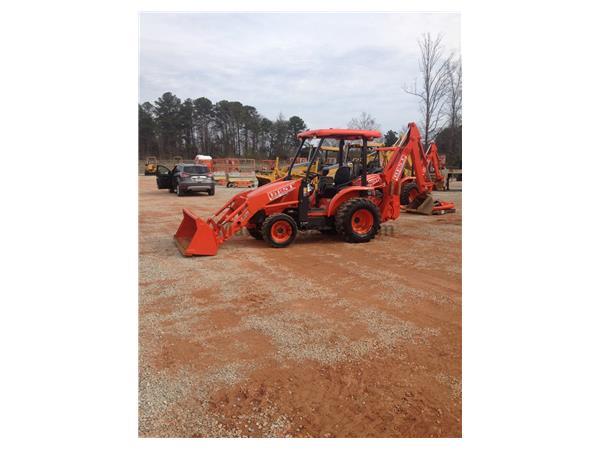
{"x":322,"y":338}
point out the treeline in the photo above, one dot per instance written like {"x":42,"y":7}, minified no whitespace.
{"x":170,"y":127}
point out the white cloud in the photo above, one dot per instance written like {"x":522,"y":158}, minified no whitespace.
{"x":326,"y":68}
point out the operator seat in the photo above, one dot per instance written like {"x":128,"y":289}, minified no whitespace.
{"x":324,"y":180}
{"x":374,"y":167}
{"x":343,"y":177}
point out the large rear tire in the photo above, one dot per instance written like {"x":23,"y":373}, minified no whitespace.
{"x":358,"y":220}
{"x":279,"y":230}
{"x":409,"y":192}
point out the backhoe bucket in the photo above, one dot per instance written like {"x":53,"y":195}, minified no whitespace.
{"x":195,"y":237}
{"x":422,"y":204}
{"x":425,"y":204}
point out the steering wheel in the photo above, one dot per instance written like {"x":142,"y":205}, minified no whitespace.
{"x":312,"y":175}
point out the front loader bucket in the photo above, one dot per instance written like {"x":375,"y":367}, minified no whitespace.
{"x":195,"y":237}
{"x":422,"y":204}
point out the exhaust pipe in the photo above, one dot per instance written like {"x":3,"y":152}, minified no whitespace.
{"x":195,"y":237}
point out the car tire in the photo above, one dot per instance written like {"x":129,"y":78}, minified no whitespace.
{"x":212,"y":191}
{"x":358,"y":220}
{"x":279,"y":230}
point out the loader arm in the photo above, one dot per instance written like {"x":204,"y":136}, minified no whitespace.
{"x":196,"y":236}
{"x":203,"y":237}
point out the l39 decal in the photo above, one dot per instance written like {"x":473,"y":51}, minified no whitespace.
{"x":399,"y":168}
{"x":279,"y":192}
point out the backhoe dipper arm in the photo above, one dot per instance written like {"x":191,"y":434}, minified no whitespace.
{"x":433,"y":158}
{"x":409,"y":146}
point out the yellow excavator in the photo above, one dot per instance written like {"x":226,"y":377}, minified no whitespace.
{"x":151,"y":165}
{"x":299,"y":170}
{"x":327,"y":162}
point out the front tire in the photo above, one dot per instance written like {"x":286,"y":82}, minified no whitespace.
{"x":212,"y":191}
{"x":256,"y":233}
{"x":358,"y":220}
{"x":279,"y":230}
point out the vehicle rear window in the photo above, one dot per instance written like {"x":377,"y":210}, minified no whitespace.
{"x":195,"y":169}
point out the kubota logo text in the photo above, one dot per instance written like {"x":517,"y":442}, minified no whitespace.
{"x":399,"y":168}
{"x":279,"y":192}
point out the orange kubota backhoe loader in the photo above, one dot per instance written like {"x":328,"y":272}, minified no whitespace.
{"x":352,"y":206}
{"x":434,"y":167}
{"x":429,"y":164}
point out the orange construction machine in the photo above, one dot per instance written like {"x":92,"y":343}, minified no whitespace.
{"x":204,"y":160}
{"x":432,"y":167}
{"x":353,"y":203}
{"x":435,"y":167}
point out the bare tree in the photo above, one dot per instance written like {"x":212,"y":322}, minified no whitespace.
{"x":453,"y":105}
{"x":454,"y":94}
{"x":432,"y":90}
{"x":364,"y":122}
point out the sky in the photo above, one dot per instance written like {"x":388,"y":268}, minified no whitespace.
{"x":324,"y":67}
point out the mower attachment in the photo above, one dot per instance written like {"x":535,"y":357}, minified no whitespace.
{"x":195,"y":237}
